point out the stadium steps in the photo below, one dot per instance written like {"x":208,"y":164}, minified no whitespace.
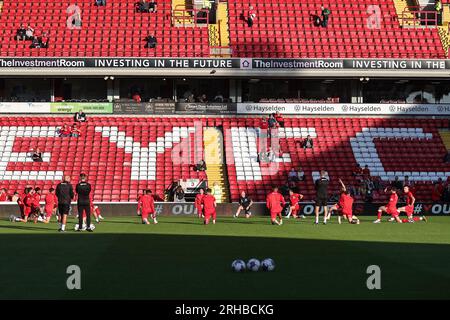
{"x":220,"y":33}
{"x":401,"y":7}
{"x":445,"y":135}
{"x":1,"y":6}
{"x":184,"y":19}
{"x":216,"y":170}
{"x":443,"y":30}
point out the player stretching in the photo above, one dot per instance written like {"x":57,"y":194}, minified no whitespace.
{"x":139,"y":201}
{"x":321,"y":186}
{"x":409,"y":208}
{"x":390,"y":208}
{"x":294,"y":208}
{"x":198,"y":203}
{"x":96,"y":212}
{"x":209,"y":207}
{"x":344,"y":207}
{"x":35,"y":205}
{"x":24,"y":202}
{"x":147,"y":206}
{"x":275,"y":203}
{"x":244,"y":204}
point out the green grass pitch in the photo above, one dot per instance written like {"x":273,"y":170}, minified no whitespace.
{"x":180,"y":258}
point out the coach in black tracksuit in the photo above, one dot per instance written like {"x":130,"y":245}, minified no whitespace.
{"x":84,"y":202}
{"x":321,"y":186}
{"x":64,"y":193}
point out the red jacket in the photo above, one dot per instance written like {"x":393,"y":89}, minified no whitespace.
{"x":295,"y":198}
{"x":275,"y":202}
{"x":51,"y":200}
{"x":198,"y":199}
{"x":208,"y":202}
{"x":147,"y":203}
{"x":346,"y":203}
{"x":35,"y":200}
{"x":3,"y":197}
{"x":393,"y":199}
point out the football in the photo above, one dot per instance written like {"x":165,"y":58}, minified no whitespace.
{"x":238,"y":266}
{"x":253,"y":264}
{"x":268,"y":264}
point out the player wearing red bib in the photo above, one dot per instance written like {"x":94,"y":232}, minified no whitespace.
{"x":344,"y":207}
{"x":294,"y":209}
{"x":209,"y":207}
{"x":390,"y":208}
{"x":275,"y":203}
{"x":147,"y":206}
{"x":409,"y":208}
{"x":198,"y":203}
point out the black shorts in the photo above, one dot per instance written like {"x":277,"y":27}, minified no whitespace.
{"x":63,"y":209}
{"x":321,"y":201}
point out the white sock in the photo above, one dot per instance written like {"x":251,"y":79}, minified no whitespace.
{"x":17,"y":219}
{"x":63,"y":227}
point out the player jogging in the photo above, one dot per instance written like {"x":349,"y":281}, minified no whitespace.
{"x":275,"y":203}
{"x":147,"y":206}
{"x":321,"y":186}
{"x":390,"y":208}
{"x":294,"y":208}
{"x":344,"y":207}
{"x":244,"y":204}
{"x":198,"y":202}
{"x":409,"y":208}
{"x":209,"y":207}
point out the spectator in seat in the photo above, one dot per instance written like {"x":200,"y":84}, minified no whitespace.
{"x":358,"y":171}
{"x":44,"y":40}
{"x":190,"y":98}
{"x":152,"y":6}
{"x":293,"y":175}
{"x":251,"y":16}
{"x":137,"y":97}
{"x":325,"y":16}
{"x":438,"y":190}
{"x":151,"y":41}
{"x":201,"y":166}
{"x":272,"y":122}
{"x":179,"y":195}
{"x":100,"y":3}
{"x":75,"y":132}
{"x":64,"y":131}
{"x":29,"y":33}
{"x":308,"y":143}
{"x":80,"y":116}
{"x":279,"y":118}
{"x":397,"y":184}
{"x":218,"y":97}
{"x":366,"y":172}
{"x":143,"y":6}
{"x":35,"y":43}
{"x":36,"y":155}
{"x":203,"y":98}
{"x":21,"y":33}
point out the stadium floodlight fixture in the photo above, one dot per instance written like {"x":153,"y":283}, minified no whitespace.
{"x":106,"y":78}
{"x":111,"y":77}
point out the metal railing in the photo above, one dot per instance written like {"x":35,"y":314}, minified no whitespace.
{"x":414,"y":16}
{"x":189,"y":17}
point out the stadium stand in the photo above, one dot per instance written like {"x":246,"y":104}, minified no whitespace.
{"x":123,"y":155}
{"x":281,"y":29}
{"x":285,"y":29}
{"x":113,"y":30}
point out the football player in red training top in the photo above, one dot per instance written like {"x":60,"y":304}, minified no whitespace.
{"x":209,"y":207}
{"x":24,"y":203}
{"x":275,"y":203}
{"x":139,"y":202}
{"x":294,"y":208}
{"x":147,"y":205}
{"x":96,"y":212}
{"x":51,"y":203}
{"x":409,"y":208}
{"x":390,"y":208}
{"x":35,"y":205}
{"x":344,"y":207}
{"x":198,"y":203}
